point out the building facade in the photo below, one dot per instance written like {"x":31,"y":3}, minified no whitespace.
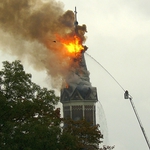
{"x":79,"y":97}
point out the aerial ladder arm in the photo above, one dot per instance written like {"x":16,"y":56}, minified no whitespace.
{"x":127,"y":96}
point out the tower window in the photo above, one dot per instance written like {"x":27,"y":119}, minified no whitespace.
{"x":66,"y":112}
{"x":89,"y":113}
{"x":77,"y":112}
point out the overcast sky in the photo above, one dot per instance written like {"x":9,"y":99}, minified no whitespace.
{"x":118,"y":38}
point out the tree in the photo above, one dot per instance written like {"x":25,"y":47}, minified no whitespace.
{"x":107,"y":147}
{"x":29,"y":120}
{"x":83,"y":134}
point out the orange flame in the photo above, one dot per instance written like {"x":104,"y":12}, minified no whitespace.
{"x":72,"y":44}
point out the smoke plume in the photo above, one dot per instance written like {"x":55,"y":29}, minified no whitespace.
{"x":28,"y":30}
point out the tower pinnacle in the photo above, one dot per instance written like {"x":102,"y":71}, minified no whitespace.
{"x":75,"y":22}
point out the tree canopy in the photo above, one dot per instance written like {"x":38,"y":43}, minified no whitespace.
{"x":85,"y":135}
{"x":30,"y":121}
{"x":27,"y":111}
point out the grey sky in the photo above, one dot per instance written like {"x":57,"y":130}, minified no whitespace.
{"x":119,"y":38}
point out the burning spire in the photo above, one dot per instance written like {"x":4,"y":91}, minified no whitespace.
{"x":78,"y":75}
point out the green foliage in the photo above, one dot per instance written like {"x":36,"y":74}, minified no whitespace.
{"x":84,"y":134}
{"x":29,"y":120}
{"x":28,"y":116}
{"x":107,"y":147}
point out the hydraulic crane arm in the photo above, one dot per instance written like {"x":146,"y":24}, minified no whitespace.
{"x":127,"y":96}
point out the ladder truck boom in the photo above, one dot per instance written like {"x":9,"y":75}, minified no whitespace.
{"x":127,"y":96}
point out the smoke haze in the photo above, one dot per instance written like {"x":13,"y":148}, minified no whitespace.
{"x":28,"y":30}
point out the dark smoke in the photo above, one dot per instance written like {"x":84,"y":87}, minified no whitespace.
{"x":28,"y":30}
{"x":34,"y":19}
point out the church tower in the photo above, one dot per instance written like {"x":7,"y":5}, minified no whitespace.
{"x":78,"y":97}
